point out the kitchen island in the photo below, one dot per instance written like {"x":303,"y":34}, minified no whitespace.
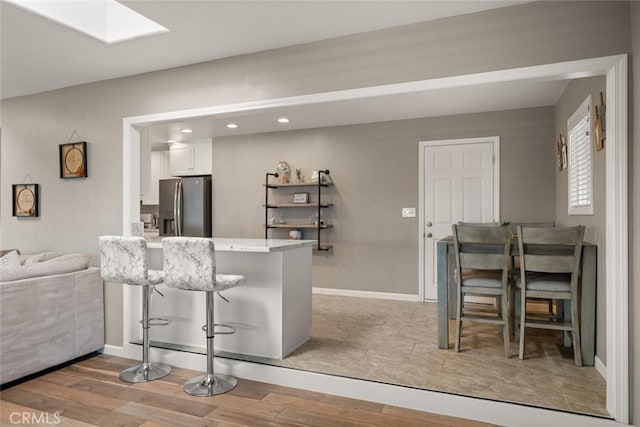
{"x":271,"y":313}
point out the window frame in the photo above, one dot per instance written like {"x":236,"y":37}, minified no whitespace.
{"x":582,"y":112}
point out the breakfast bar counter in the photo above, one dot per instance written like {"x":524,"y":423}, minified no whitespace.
{"x":271,"y":313}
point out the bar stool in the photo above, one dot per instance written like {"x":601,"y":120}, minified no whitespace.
{"x":123,"y":260}
{"x":190,"y":264}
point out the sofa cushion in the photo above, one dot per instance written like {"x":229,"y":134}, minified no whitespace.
{"x":36,"y":258}
{"x":58,"y":265}
{"x":9,"y":261}
{"x":3,"y":252}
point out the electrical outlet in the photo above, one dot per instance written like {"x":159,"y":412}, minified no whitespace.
{"x":408,"y":212}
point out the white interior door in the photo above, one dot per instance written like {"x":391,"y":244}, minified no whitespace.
{"x":460,"y":182}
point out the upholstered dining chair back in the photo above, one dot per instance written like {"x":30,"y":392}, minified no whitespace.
{"x":123,"y":259}
{"x":190,"y":263}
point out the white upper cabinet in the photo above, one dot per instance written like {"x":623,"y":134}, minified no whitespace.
{"x":180,"y":159}
{"x":192,"y":158}
{"x":159,"y":170}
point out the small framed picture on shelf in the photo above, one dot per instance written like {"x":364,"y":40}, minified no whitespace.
{"x":25,"y":200}
{"x":301,"y":198}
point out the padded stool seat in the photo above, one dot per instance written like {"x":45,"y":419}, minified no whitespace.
{"x":124,"y":260}
{"x":190,"y":264}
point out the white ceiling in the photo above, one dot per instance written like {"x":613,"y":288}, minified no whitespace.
{"x":39,"y":55}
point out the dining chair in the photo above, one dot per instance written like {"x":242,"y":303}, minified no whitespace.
{"x":482,"y":262}
{"x":550,"y":268}
{"x":480,"y":305}
{"x":516,"y":267}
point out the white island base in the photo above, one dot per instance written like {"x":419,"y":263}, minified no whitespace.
{"x":271,"y":313}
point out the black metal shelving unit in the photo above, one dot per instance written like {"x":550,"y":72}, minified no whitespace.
{"x":322,"y":182}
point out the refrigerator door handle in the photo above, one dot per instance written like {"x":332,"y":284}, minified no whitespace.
{"x":177,"y":208}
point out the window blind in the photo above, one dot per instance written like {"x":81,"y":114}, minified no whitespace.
{"x":580,"y":163}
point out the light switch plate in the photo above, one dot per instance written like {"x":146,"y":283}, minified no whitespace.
{"x":408,"y":212}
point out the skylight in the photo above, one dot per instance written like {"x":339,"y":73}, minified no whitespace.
{"x":105,"y":20}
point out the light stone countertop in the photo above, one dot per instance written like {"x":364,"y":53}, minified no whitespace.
{"x":151,"y":233}
{"x":245,"y":245}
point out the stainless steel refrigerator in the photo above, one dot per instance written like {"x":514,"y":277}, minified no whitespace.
{"x":185,"y":206}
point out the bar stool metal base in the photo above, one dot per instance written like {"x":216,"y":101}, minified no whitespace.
{"x":210,"y":385}
{"x":145,"y":372}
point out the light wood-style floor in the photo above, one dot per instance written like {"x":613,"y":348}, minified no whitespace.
{"x":396,"y":342}
{"x":89,"y":393}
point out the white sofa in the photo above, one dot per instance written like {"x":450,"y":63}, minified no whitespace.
{"x":51,"y":312}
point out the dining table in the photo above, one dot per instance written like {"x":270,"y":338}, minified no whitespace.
{"x":445,"y":259}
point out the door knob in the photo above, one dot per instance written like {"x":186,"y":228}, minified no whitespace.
{"x":429,"y":224}
{"x":429,"y":235}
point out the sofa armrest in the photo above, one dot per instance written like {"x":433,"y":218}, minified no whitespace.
{"x":49,"y":320}
{"x":89,"y":301}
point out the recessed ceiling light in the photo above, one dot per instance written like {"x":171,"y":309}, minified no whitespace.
{"x":171,"y":141}
{"x":283,"y":120}
{"x":186,"y":130}
{"x":105,"y":20}
{"x":232,"y":126}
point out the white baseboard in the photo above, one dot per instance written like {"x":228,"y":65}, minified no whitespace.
{"x":600,"y":367}
{"x":113,"y":350}
{"x":120,"y":351}
{"x":365,"y":294}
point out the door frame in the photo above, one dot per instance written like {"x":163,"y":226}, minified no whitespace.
{"x":615,"y":67}
{"x":422,"y":149}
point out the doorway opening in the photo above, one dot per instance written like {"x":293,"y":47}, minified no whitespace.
{"x":615,"y":68}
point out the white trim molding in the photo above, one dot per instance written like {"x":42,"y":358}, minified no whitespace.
{"x":600,"y":367}
{"x":130,"y":176}
{"x":366,"y":294}
{"x":617,"y":251}
{"x":617,"y":242}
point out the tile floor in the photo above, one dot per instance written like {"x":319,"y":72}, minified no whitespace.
{"x":395,"y":342}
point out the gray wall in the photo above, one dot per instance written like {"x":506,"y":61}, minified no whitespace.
{"x":375,"y":170}
{"x":634,"y":205}
{"x":595,"y":232}
{"x":75,"y":212}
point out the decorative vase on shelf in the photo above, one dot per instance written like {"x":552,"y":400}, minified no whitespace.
{"x":284,"y":172}
{"x":283,"y":179}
